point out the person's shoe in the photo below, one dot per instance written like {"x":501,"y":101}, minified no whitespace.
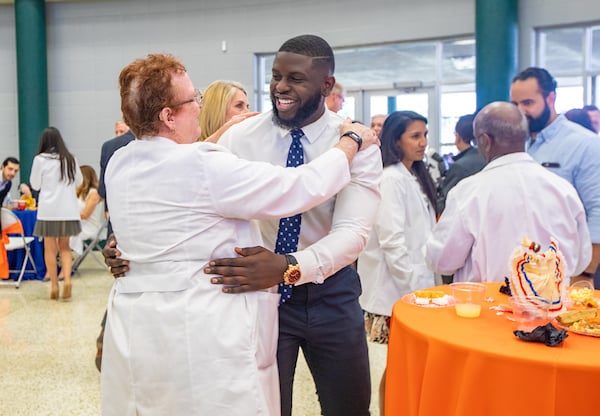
{"x":99,"y":342}
{"x":54,"y":292}
{"x":66,"y":294}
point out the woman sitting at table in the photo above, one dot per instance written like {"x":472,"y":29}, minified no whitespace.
{"x":393,"y":263}
{"x":91,"y":211}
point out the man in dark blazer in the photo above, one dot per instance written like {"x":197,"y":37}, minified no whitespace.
{"x":10,"y":167}
{"x":468,"y":162}
{"x":108,"y":149}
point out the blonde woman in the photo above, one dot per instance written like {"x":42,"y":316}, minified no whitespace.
{"x":224,"y":103}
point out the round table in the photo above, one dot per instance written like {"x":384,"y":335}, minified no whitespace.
{"x":440,"y":364}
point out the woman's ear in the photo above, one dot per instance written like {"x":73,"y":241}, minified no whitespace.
{"x":166,"y":116}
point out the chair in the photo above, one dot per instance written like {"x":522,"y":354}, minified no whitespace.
{"x":12,"y":224}
{"x":89,"y":246}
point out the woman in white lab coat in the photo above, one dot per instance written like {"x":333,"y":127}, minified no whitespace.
{"x":55,"y":173}
{"x":174,"y":343}
{"x":393,"y":262}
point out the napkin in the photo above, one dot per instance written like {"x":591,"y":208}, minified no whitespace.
{"x":546,"y":334}
{"x":505,"y":288}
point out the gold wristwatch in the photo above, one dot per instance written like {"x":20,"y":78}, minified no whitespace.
{"x":292,"y":274}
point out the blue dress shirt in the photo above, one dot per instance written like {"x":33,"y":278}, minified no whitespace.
{"x":573,"y":152}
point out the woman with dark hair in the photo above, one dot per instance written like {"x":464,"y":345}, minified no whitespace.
{"x":581,"y":117}
{"x":55,"y":173}
{"x":393,"y":263}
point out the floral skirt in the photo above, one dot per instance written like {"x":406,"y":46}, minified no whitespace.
{"x":377,"y":327}
{"x":44,"y":228}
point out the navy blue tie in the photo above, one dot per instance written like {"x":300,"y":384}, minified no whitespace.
{"x":289,"y":228}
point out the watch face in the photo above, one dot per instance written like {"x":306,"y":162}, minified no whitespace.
{"x":292,"y":274}
{"x":354,"y":135}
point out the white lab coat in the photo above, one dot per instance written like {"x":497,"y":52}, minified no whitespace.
{"x":175,"y":344}
{"x":489,"y":213}
{"x":393,"y":263}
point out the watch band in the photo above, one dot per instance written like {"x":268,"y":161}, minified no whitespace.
{"x":292,"y":274}
{"x":354,"y":137}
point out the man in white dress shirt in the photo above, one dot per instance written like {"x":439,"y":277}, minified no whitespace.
{"x":323,"y":316}
{"x":487,"y":214}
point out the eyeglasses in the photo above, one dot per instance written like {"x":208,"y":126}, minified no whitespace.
{"x":197,"y":97}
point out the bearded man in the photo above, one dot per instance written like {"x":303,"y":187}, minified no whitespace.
{"x":563,"y":147}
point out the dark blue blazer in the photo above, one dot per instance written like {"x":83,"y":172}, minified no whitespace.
{"x":108,"y":148}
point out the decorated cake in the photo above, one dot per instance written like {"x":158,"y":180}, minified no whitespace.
{"x":537,"y":274}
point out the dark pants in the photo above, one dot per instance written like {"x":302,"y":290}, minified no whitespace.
{"x":326,"y":321}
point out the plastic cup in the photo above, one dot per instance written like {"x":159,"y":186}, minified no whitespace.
{"x":468,"y":298}
{"x":529,"y":312}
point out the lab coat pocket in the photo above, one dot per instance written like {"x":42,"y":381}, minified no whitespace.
{"x":267,"y":329}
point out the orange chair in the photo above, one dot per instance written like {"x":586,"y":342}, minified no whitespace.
{"x":11,"y":224}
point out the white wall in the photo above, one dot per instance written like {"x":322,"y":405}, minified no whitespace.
{"x":89,"y":42}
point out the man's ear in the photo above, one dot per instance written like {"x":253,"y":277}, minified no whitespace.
{"x":327,"y":85}
{"x":551,"y":99}
{"x":484,"y":145}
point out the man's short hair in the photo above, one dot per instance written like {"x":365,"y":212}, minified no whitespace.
{"x":546,"y":82}
{"x":590,"y":107}
{"x":313,"y":46}
{"x":10,"y":159}
{"x":464,"y":128}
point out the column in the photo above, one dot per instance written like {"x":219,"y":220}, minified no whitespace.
{"x":32,"y":78}
{"x":496,"y":34}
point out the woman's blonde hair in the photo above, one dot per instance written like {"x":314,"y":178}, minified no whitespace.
{"x":217,"y":97}
{"x":90,"y":180}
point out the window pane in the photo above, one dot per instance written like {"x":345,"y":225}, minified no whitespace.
{"x":569,"y":93}
{"x":458,"y":61}
{"x":385,"y":64}
{"x":348,"y":108}
{"x":418,"y":102}
{"x":595,"y":58}
{"x":454,"y":105}
{"x":563,"y":51}
{"x":378,"y":105}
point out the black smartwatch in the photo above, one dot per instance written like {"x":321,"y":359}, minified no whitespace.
{"x":354,"y":137}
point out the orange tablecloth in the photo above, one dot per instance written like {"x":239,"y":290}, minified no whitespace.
{"x":440,"y":364}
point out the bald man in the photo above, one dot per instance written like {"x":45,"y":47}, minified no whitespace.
{"x":487,"y":214}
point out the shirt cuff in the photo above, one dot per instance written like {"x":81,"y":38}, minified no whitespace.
{"x":309,"y":268}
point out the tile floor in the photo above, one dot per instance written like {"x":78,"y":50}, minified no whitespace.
{"x":47,"y":351}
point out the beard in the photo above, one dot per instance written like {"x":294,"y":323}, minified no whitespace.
{"x":303,"y":113}
{"x":537,"y":124}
